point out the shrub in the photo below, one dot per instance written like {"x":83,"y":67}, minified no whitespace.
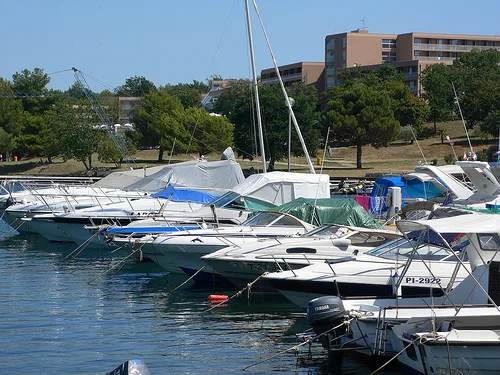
{"x":449,"y":159}
{"x":405,"y":134}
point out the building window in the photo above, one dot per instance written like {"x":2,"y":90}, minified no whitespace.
{"x":419,"y":41}
{"x":344,"y":42}
{"x":418,"y":53}
{"x":330,"y":44}
{"x":330,"y":69}
{"x":330,"y":82}
{"x":344,"y":55}
{"x":388,"y":56}
{"x":388,"y":43}
{"x":330,"y":57}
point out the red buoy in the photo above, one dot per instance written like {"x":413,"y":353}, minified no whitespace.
{"x":217,"y":298}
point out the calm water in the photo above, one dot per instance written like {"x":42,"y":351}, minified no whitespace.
{"x":67,"y":316}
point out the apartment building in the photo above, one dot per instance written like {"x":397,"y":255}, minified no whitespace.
{"x":216,"y":86}
{"x":410,"y":52}
{"x":309,"y":73}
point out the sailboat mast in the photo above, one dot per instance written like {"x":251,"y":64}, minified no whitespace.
{"x":256,"y":89}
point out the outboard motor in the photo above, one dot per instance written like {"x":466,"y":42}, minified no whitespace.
{"x":323,"y":314}
{"x":132,"y":367}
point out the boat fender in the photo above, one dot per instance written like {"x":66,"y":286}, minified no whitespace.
{"x":217,"y":298}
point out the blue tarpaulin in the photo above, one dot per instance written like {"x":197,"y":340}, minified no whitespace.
{"x":410,"y":188}
{"x":184,"y":195}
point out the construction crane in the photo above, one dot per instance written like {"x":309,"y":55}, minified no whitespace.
{"x":103,"y":117}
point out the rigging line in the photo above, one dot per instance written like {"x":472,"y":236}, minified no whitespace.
{"x":282,"y":85}
{"x":253,"y":121}
{"x":319,"y":176}
{"x":60,"y":71}
{"x":457,"y":102}
{"x":222,"y":37}
{"x":151,"y":113}
{"x":418,"y":144}
{"x":99,"y":81}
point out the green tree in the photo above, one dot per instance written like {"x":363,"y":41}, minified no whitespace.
{"x":438,"y":92}
{"x":476,"y":76}
{"x":6,"y":143}
{"x":11,"y":110}
{"x":409,"y":109}
{"x":31,"y":82}
{"x":107,"y":151}
{"x":189,"y":94}
{"x":209,"y":133}
{"x":136,"y":86}
{"x":77,"y":129}
{"x":236,"y":103}
{"x":159,"y":121}
{"x":359,"y":115}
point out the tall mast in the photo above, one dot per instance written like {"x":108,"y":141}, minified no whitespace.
{"x":256,"y":89}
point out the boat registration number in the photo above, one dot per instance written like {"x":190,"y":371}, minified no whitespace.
{"x":270,"y":267}
{"x":423,"y":280}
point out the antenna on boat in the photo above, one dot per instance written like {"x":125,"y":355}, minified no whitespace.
{"x":256,"y":88}
{"x":457,"y":102}
{"x":287,"y":99}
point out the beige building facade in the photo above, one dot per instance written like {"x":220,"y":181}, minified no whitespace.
{"x":309,"y":73}
{"x":410,"y":52}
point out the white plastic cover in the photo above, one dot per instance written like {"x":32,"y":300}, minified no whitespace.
{"x":282,"y":187}
{"x":222,"y":174}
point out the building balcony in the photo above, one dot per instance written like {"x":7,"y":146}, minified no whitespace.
{"x":410,"y":76}
{"x":451,"y":47}
{"x":286,"y":78}
{"x":435,"y":58}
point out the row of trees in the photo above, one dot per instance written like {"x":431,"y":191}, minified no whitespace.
{"x":365,"y":107}
{"x":38,"y":122}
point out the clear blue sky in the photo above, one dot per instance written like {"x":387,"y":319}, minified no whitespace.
{"x":170,"y":41}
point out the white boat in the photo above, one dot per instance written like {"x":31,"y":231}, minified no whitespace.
{"x":370,"y":321}
{"x":125,"y":187}
{"x":180,"y":251}
{"x":256,"y":192}
{"x":243,"y":264}
{"x":463,"y":343}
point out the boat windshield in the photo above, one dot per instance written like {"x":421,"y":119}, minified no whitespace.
{"x":267,"y":219}
{"x":228,"y":200}
{"x":402,"y":248}
{"x":332,"y":230}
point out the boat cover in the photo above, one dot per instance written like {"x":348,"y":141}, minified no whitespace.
{"x":184,"y":195}
{"x":343,"y":211}
{"x":120,"y":179}
{"x":411,"y":187}
{"x":265,"y":190}
{"x":221,"y":174}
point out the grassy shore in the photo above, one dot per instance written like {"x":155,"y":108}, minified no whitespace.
{"x":397,"y":158}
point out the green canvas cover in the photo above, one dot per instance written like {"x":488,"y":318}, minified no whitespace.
{"x":343,"y":211}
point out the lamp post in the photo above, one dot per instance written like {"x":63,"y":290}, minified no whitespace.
{"x":292,"y":102}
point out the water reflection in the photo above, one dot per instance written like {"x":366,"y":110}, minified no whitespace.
{"x":69,"y":315}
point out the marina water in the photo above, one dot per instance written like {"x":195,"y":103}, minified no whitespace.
{"x":65,"y":314}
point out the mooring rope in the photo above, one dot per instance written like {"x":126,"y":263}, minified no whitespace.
{"x":309,"y":340}
{"x":83,"y":245}
{"x":397,"y":354}
{"x":239,"y":293}
{"x":114,"y":266}
{"x":185,"y":282}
